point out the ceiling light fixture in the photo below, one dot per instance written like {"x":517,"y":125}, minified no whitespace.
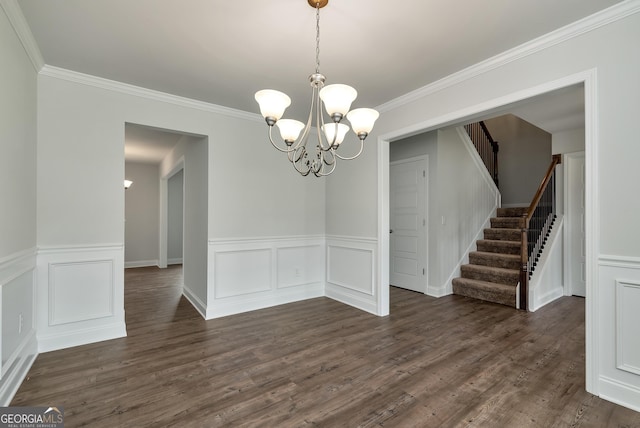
{"x":337,"y":101}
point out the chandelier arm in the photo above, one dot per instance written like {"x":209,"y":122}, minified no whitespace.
{"x":332,"y":159}
{"x":322,"y":172}
{"x":302,"y":140}
{"x":319,"y":125}
{"x":352,"y":157}
{"x":299,"y":159}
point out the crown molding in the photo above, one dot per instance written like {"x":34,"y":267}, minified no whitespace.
{"x":22,"y":30}
{"x":125,"y":88}
{"x":575,"y":29}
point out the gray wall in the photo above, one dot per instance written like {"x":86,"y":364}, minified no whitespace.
{"x":18,"y":115}
{"x":175,"y":206}
{"x":523,"y":158}
{"x":142,"y":208}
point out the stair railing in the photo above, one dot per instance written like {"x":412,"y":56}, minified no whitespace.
{"x":538,"y":221}
{"x":486,"y":146}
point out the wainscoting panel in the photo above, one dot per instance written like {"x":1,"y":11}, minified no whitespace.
{"x":242,"y":272}
{"x":299,"y":265}
{"x":70,"y":297}
{"x":351,"y":271}
{"x":80,"y":295}
{"x":250,"y":274}
{"x":17,"y":305}
{"x":627,"y":323}
{"x":619,"y":358}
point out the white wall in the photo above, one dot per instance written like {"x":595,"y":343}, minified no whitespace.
{"x":600,"y":53}
{"x":196,"y":220}
{"x":523,"y":158}
{"x":565,"y":142}
{"x":142,"y":215}
{"x":18,"y":213}
{"x":246,"y":197}
{"x":467,"y":199}
{"x":175,"y":207}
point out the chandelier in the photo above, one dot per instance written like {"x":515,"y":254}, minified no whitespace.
{"x":337,"y":99}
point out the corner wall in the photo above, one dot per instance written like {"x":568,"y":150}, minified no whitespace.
{"x":18,"y":116}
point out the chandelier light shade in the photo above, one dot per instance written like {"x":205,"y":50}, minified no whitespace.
{"x":127,"y":184}
{"x":336,"y":99}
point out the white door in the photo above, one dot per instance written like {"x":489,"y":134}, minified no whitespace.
{"x":407,"y":217}
{"x":576,"y":260}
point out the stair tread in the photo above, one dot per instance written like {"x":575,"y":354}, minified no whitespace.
{"x":499,"y":241}
{"x":490,"y":268}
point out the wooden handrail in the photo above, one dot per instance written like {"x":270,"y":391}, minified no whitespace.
{"x":555,"y":161}
{"x":524,"y":248}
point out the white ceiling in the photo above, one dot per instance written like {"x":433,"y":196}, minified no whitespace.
{"x":145,"y":144}
{"x":222,"y":52}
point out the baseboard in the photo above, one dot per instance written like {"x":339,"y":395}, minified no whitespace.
{"x":176,"y":261}
{"x":142,"y":263}
{"x":76,"y":337}
{"x":547,"y":298}
{"x":348,"y":297}
{"x":225,"y":307}
{"x":441,"y":291}
{"x":198,"y":304}
{"x":620,"y":393}
{"x":18,"y":371}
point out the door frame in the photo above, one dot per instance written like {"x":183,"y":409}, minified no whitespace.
{"x":587,"y":78}
{"x":567,"y":256}
{"x":425,"y":241}
{"x":164,"y":213}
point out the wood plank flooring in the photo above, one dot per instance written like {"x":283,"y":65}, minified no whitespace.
{"x":448,"y":362}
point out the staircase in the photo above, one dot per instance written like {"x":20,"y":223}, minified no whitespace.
{"x":493,"y":271}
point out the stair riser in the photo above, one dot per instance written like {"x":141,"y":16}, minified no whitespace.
{"x":507,"y":223}
{"x":504,"y":247}
{"x":503,"y":234}
{"x":498,"y":261}
{"x":494,"y":296}
{"x":468,"y":271}
{"x":511,"y":212}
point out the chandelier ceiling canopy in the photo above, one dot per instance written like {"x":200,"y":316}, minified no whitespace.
{"x":336,"y":99}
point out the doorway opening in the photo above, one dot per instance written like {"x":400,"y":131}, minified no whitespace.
{"x":166,"y":207}
{"x":585,"y":81}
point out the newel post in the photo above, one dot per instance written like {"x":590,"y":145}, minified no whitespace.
{"x":524,"y":264}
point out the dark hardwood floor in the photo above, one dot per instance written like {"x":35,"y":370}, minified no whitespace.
{"x":444,"y":362}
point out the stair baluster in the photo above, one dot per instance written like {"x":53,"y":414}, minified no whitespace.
{"x":537,"y":224}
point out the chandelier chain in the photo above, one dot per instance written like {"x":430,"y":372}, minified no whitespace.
{"x":317,"y":38}
{"x":336,"y":100}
